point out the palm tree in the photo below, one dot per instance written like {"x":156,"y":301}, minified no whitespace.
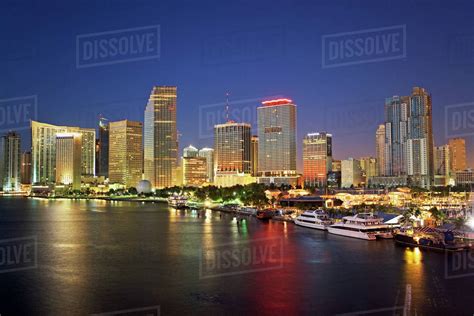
{"x":459,"y":222}
{"x":407,"y":218}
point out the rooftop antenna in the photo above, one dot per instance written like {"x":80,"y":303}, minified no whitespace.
{"x":227,"y":106}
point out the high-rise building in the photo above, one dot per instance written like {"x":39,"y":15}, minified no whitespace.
{"x":232,"y":147}
{"x":409,"y":137}
{"x":10,"y":145}
{"x":194,"y":171}
{"x":351,"y":173}
{"x":442,"y":160}
{"x":103,"y":148}
{"x":254,"y":155}
{"x":161,"y":137}
{"x":317,"y":158}
{"x":208,"y":153}
{"x":368,"y":165}
{"x":458,"y":154}
{"x":336,"y":165}
{"x":25,"y":168}
{"x":68,"y":159}
{"x":277,"y":141}
{"x":43,"y":143}
{"x":190,"y":151}
{"x":380,"y":150}
{"x":125,"y":152}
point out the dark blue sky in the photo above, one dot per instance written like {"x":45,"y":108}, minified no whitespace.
{"x":207,"y":48}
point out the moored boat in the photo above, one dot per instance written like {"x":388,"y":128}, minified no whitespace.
{"x":177,"y":201}
{"x":264,"y":214}
{"x":316,"y":219}
{"x":365,"y":226}
{"x":433,"y":241}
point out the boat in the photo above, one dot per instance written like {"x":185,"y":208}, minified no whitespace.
{"x":264,"y":214}
{"x":365,"y":226}
{"x":316,"y":219}
{"x":433,"y":241}
{"x":247,"y":211}
{"x":177,"y":201}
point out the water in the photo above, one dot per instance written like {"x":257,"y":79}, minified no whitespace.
{"x":98,"y":257}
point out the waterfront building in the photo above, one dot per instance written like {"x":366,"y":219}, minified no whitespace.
{"x":232,"y":178}
{"x":161,"y":137}
{"x":388,"y":181}
{"x":464,"y":178}
{"x":380,"y":150}
{"x":277,"y":141}
{"x":351,"y":173}
{"x":190,"y":151}
{"x":457,"y":154}
{"x":317,"y":158}
{"x":10,"y":146}
{"x":43,"y":144}
{"x":103,"y":148}
{"x":232,"y":147}
{"x":368,"y":166}
{"x":68,"y":159}
{"x":409,"y":137}
{"x":336,"y":165}
{"x":194,"y":171}
{"x":208,"y":153}
{"x":334,"y":179}
{"x":254,"y":155}
{"x":25,"y":167}
{"x":125,"y":152}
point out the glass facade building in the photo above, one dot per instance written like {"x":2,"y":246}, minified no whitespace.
{"x":317,"y":158}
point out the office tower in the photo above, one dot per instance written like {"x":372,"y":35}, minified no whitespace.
{"x":190,"y":151}
{"x":194,"y":171}
{"x":68,"y":159}
{"x":277,"y":141}
{"x":458,"y":154}
{"x":10,"y":145}
{"x":254,"y":155}
{"x":317,"y":158}
{"x":336,"y":165}
{"x":125,"y":152}
{"x":25,"y":168}
{"x":208,"y":153}
{"x":380,"y":150}
{"x":351,"y":173}
{"x":368,"y":166}
{"x":43,"y":143}
{"x":103,"y":148}
{"x":442,"y":160}
{"x":161,"y":137}
{"x":232,"y":147}
{"x":409,"y":137}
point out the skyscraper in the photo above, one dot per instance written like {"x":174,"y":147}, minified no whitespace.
{"x":409,"y":137}
{"x":380,"y":150}
{"x":232,"y":147}
{"x":68,"y":159}
{"x":208,"y":153}
{"x":351,"y":173}
{"x":25,"y":168}
{"x":368,"y":165}
{"x":161,"y":137}
{"x":458,"y":154}
{"x":254,"y":155}
{"x":10,"y":145}
{"x":190,"y":151}
{"x":317,"y":158}
{"x":125,"y":152}
{"x":43,"y":143}
{"x":277,"y":141}
{"x":103,"y":152}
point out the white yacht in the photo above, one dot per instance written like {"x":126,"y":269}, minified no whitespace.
{"x":317,"y":219}
{"x":363,"y":226}
{"x":177,"y":201}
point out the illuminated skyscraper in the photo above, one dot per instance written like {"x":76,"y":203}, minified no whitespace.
{"x":409,"y":137}
{"x":254,"y":155}
{"x":317,"y":158}
{"x":277,"y":141}
{"x":208,"y":153}
{"x":43,"y":143}
{"x":368,"y":165}
{"x":125,"y":152}
{"x":380,"y":150}
{"x":10,"y":145}
{"x":194,"y":171}
{"x":458,"y":154}
{"x":190,"y":151}
{"x":103,"y":150}
{"x":25,"y":167}
{"x":68,"y":159}
{"x":161,"y":137}
{"x":232,"y":147}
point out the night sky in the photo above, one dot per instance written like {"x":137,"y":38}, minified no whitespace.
{"x":255,"y":50}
